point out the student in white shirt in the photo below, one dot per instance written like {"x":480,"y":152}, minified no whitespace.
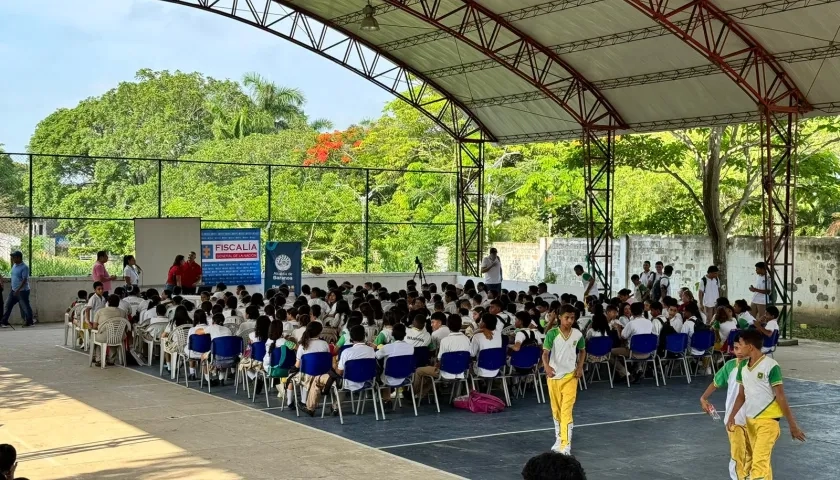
{"x":638,"y":325}
{"x":694,"y":323}
{"x":761,"y":290}
{"x":484,"y":339}
{"x":199,"y":328}
{"x":455,"y":342}
{"x":664,"y":283}
{"x":524,"y":334}
{"x":398,"y":348}
{"x":658,"y":319}
{"x":358,"y":350}
{"x":742,"y":311}
{"x":724,"y":324}
{"x":96,"y":302}
{"x":417,"y":335}
{"x":310,"y":343}
{"x":769,"y":324}
{"x":252,"y":313}
{"x":709,"y":291}
{"x":674,"y":317}
{"x":647,"y":277}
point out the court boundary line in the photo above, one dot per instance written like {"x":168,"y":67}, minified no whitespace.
{"x":584,"y":425}
{"x":309,"y":427}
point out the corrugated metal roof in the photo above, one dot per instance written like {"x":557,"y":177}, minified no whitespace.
{"x":652,"y":79}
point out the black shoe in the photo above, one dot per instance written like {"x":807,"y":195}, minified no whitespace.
{"x":389,"y":405}
{"x":259,"y":388}
{"x":333,"y":412}
{"x":214,"y":383}
{"x":192,"y":378}
{"x":636,"y":379}
{"x":302,"y":407}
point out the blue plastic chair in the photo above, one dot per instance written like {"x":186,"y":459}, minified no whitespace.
{"x":641,"y":345}
{"x":401,"y":366}
{"x":771,"y":342}
{"x":676,"y":345}
{"x":453,"y":363}
{"x":257,"y":353}
{"x":527,"y":358}
{"x":600,"y":348}
{"x":196,"y":344}
{"x":492,"y":359}
{"x":705,"y":341}
{"x":222,"y":347}
{"x":362,"y":370}
{"x":313,"y":364}
{"x":421,"y":356}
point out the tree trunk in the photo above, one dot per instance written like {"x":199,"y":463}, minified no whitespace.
{"x":715,"y":225}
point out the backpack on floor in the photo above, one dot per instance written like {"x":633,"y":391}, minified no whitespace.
{"x":480,"y":403}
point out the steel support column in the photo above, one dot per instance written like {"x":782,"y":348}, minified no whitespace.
{"x":598,"y":156}
{"x":778,"y":170}
{"x":470,"y":205}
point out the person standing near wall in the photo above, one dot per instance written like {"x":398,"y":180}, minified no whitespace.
{"x":100,"y":273}
{"x":491,"y":267}
{"x":761,"y":290}
{"x":709,"y":292}
{"x":19,"y":292}
{"x":131,"y":272}
{"x":647,"y":277}
{"x":190,"y":275}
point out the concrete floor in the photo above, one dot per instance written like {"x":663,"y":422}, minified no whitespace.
{"x":71,"y":421}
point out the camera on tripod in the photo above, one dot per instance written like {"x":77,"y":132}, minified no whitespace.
{"x":418,"y":262}
{"x":419,"y":272}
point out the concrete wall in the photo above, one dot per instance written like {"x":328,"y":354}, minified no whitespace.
{"x":50,"y":296}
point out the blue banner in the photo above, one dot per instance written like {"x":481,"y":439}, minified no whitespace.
{"x":283,"y":265}
{"x":231,"y":256}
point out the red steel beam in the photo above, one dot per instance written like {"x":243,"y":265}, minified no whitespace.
{"x":338,"y":44}
{"x":723,"y":41}
{"x":495,"y":37}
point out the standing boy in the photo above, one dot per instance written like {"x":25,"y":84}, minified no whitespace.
{"x":564,"y":351}
{"x":739,"y":448}
{"x":709,"y":291}
{"x":762,"y":396}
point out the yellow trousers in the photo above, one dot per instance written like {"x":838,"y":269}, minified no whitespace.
{"x":739,"y":453}
{"x":762,"y":434}
{"x":562,"y":393}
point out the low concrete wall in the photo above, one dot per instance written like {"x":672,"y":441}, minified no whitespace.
{"x":51,"y":296}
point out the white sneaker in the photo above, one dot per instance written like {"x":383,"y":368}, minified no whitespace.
{"x":708,"y":370}
{"x":556,"y":447}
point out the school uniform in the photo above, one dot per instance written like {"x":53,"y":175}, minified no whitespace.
{"x":358,"y":351}
{"x":455,"y":342}
{"x":688,"y":328}
{"x":762,"y":412}
{"x":740,"y":456}
{"x":725,"y":328}
{"x":562,"y":387}
{"x":397,"y":348}
{"x":677,"y":322}
{"x":418,"y":338}
{"x":636,"y":326}
{"x":745,"y":320}
{"x":480,"y":342}
{"x":759,"y":300}
{"x":773,"y":326}
{"x":95,"y":303}
{"x":438,"y":336}
{"x":196,"y":330}
{"x":385,"y":337}
{"x":308,"y":390}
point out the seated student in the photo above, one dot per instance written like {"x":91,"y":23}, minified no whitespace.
{"x":241,"y":292}
{"x":674,"y":317}
{"x":158,"y":323}
{"x":723,"y":324}
{"x":276,"y":340}
{"x":417,"y":335}
{"x":77,"y":308}
{"x":269,"y":311}
{"x":553,"y":466}
{"x":252,"y":313}
{"x":109,"y":313}
{"x":358,"y":350}
{"x":455,"y":342}
{"x":768,"y":324}
{"x":302,"y":322}
{"x":439,"y":329}
{"x":743,"y":311}
{"x":638,"y":325}
{"x":658,"y":319}
{"x":386,"y":335}
{"x":309,"y":343}
{"x":524,"y":336}
{"x":611,"y":313}
{"x":199,"y":328}
{"x":95,"y":302}
{"x":600,"y":326}
{"x":485,"y":338}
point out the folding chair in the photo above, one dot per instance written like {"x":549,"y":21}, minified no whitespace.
{"x":68,"y":327}
{"x":282,"y":358}
{"x":675,"y":348}
{"x":362,"y":370}
{"x":314,"y":365}
{"x":771,"y":342}
{"x":527,"y":358}
{"x":221,"y":348}
{"x":174,"y":347}
{"x":599,"y":348}
{"x":642,"y":344}
{"x":401,"y":366}
{"x":110,"y":334}
{"x":257,"y":353}
{"x":491,"y":359}
{"x":729,"y":351}
{"x":452,"y":363}
{"x":704,"y":341}
{"x":196,"y":344}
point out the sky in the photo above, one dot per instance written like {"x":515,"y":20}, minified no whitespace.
{"x":55,"y":53}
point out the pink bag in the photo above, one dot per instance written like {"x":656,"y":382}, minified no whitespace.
{"x":480,"y":403}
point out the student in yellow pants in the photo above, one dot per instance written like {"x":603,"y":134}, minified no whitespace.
{"x":762,"y":434}
{"x":563,"y":356}
{"x":740,"y":452}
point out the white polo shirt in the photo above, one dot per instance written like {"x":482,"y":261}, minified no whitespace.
{"x":96,"y":303}
{"x":773,"y":326}
{"x":494,"y":275}
{"x":480,"y":342}
{"x":356,"y":352}
{"x":418,"y":338}
{"x":727,"y":376}
{"x":394,"y":349}
{"x":563,"y":351}
{"x":316,"y":345}
{"x":637,"y":326}
{"x":711,"y":291}
{"x":761,"y":283}
{"x":439,"y":334}
{"x":758,"y":381}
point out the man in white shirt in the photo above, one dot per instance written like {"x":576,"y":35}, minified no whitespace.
{"x":761,"y":290}
{"x":491,"y":267}
{"x":417,"y":335}
{"x":455,"y":342}
{"x":709,"y":291}
{"x":664,"y":284}
{"x":484,"y":339}
{"x":543,"y":294}
{"x":398,"y":348}
{"x":439,"y":330}
{"x":638,"y":325}
{"x":647,"y":277}
{"x":358,"y":350}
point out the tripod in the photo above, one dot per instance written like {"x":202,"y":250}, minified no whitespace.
{"x":419,"y":272}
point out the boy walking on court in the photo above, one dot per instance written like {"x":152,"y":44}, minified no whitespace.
{"x":739,"y":448}
{"x":762,"y":396}
{"x":564,"y":351}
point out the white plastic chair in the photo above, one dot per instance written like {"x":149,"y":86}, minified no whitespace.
{"x":68,"y":327}
{"x":110,"y":334}
{"x":79,"y":326}
{"x":174,"y":346}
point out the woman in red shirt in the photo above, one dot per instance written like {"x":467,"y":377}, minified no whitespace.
{"x":173,"y":278}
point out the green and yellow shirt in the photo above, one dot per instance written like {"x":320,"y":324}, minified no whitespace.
{"x":563,"y":357}
{"x":758,"y":381}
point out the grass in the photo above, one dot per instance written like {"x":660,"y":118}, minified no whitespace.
{"x":818,"y":332}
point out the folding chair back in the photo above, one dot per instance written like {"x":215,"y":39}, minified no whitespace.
{"x":421,"y":356}
{"x":455,"y":363}
{"x":199,"y":343}
{"x":730,"y":341}
{"x":316,"y":363}
{"x":771,"y":341}
{"x":676,"y":343}
{"x":362,"y":370}
{"x":599,"y":346}
{"x":491,"y":358}
{"x":227,"y":347}
{"x":401,"y":366}
{"x":644,"y":344}
{"x":288,"y":360}
{"x":257,"y":350}
{"x":703,"y":340}
{"x":526,"y":357}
